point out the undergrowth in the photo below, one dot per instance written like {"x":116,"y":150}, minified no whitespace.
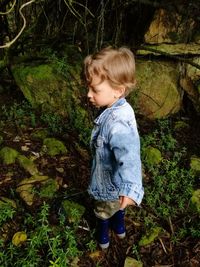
{"x":23,"y":116}
{"x":168,"y":188}
{"x":168,"y":184}
{"x":47,"y":244}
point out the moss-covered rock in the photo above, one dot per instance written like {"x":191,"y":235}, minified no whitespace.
{"x":49,"y":188}
{"x":158,"y":95}
{"x":34,"y":179}
{"x":8,"y":155}
{"x":37,"y":83}
{"x":27,"y":164}
{"x":152,"y":156}
{"x":26,"y":193}
{"x":195,"y":164}
{"x":26,"y":188}
{"x":171,"y":49}
{"x":150,"y":236}
{"x":195,"y":200}
{"x":169,"y":27}
{"x":36,"y":188}
{"x":49,"y":86}
{"x":53,"y":147}
{"x":130,"y":262}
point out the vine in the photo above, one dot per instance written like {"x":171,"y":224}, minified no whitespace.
{"x":7,"y":45}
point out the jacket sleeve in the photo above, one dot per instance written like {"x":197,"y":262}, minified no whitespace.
{"x":125,"y":143}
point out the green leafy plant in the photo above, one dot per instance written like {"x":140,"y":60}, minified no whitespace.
{"x":45,"y":245}
{"x":169,"y":184}
{"x":135,"y":251}
{"x":91,"y":245}
{"x":54,"y":122}
{"x":21,"y":114}
{"x":6,"y":212}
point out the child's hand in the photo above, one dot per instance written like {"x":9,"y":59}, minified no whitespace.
{"x":125,"y":201}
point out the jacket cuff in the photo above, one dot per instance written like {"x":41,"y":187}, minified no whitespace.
{"x":133,"y":191}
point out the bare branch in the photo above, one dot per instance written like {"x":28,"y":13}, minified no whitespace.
{"x":7,"y":12}
{"x":7,"y":45}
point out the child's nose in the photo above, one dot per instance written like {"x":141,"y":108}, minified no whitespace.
{"x":89,"y":94}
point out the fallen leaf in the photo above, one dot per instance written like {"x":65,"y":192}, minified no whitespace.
{"x":19,"y":238}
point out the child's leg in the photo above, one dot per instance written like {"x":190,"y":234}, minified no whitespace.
{"x":104,"y":210}
{"x":103,"y":233}
{"x":117,"y":223}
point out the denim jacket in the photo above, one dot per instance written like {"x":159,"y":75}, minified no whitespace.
{"x":116,"y":166}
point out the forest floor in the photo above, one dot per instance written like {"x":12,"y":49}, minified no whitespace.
{"x":160,"y":253}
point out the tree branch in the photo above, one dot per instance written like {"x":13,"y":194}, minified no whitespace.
{"x":7,"y":12}
{"x":7,"y":45}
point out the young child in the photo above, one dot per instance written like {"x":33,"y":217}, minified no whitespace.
{"x":116,"y":176}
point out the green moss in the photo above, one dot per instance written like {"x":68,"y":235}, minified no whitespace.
{"x":53,"y":147}
{"x":48,"y":189}
{"x":36,"y":82}
{"x":150,"y":236}
{"x":195,"y":200}
{"x":40,"y":72}
{"x":195,"y":164}
{"x":152,"y":156}
{"x":181,"y":125}
{"x":130,"y":262}
{"x":8,"y":155}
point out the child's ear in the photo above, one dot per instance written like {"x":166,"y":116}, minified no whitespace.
{"x":120,"y":91}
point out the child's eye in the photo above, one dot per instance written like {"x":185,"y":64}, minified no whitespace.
{"x":94,"y":90}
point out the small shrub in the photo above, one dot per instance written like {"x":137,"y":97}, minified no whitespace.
{"x":46,"y":245}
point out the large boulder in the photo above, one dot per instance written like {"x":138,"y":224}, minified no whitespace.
{"x":189,"y":68}
{"x":169,"y":27}
{"x":190,"y":82}
{"x":157,"y":90}
{"x":57,"y":91}
{"x":45,"y":87}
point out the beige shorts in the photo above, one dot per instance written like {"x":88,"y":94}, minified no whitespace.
{"x":106,"y":209}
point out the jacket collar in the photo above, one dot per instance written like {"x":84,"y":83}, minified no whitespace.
{"x":107,"y":111}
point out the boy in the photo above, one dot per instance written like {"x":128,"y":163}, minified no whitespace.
{"x":116,"y":176}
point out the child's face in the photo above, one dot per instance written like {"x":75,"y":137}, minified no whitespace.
{"x":101,"y":94}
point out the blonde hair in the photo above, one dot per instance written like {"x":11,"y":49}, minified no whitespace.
{"x":117,"y":66}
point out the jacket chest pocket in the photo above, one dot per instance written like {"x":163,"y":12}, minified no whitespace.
{"x":98,"y":147}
